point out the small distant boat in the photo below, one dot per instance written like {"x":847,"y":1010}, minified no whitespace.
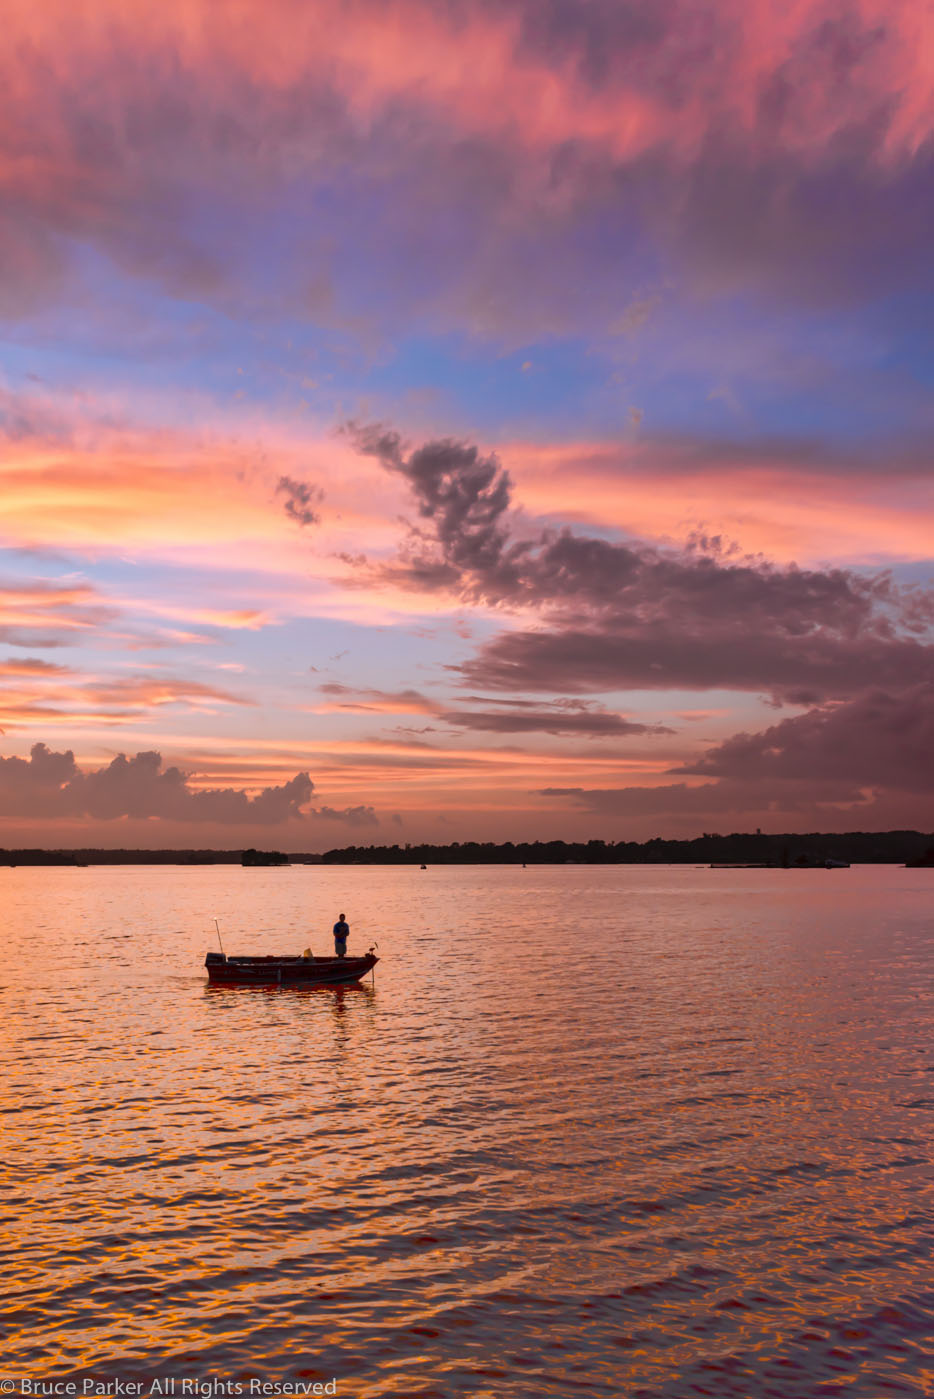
{"x":287,"y":971}
{"x":836,"y":864}
{"x":424,"y":867}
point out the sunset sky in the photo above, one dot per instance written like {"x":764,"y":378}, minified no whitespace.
{"x":475,"y":419}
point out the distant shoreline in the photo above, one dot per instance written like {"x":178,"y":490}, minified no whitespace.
{"x":788,"y":850}
{"x":783,"y":851}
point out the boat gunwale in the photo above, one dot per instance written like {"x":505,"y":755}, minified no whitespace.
{"x":291,"y":960}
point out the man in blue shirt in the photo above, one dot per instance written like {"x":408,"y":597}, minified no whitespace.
{"x":341,"y":929}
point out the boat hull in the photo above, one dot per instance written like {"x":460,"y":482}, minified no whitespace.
{"x":287,"y":971}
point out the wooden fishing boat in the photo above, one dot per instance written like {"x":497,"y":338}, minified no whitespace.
{"x":287,"y":971}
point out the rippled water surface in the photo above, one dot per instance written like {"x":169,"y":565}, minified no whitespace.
{"x":628,"y":1131}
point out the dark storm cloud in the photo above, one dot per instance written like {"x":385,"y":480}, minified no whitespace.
{"x":878,"y":739}
{"x":301,"y":497}
{"x":627,"y":616}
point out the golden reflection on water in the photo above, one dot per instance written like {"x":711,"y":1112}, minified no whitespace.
{"x":648,"y":1132}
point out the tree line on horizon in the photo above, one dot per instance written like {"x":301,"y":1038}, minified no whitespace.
{"x":783,"y":850}
{"x":857,"y":847}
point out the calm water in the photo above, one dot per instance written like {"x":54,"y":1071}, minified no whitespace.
{"x":634,"y":1132}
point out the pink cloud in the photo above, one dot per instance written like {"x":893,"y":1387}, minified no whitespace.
{"x":52,"y":787}
{"x":793,"y":77}
{"x":116,"y":118}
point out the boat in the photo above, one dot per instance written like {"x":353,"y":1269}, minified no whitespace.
{"x":287,"y":971}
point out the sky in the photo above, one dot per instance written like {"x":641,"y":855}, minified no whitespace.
{"x":465,"y":420}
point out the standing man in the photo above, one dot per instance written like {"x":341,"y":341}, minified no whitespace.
{"x":341,"y":929}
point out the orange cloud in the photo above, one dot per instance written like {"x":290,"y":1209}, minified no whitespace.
{"x":31,"y":667}
{"x":39,"y":613}
{"x":236,"y":619}
{"x":89,"y":476}
{"x":159,"y":494}
{"x":34,"y":693}
{"x":790,"y":510}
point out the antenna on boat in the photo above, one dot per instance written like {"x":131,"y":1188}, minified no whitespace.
{"x":218,"y":927}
